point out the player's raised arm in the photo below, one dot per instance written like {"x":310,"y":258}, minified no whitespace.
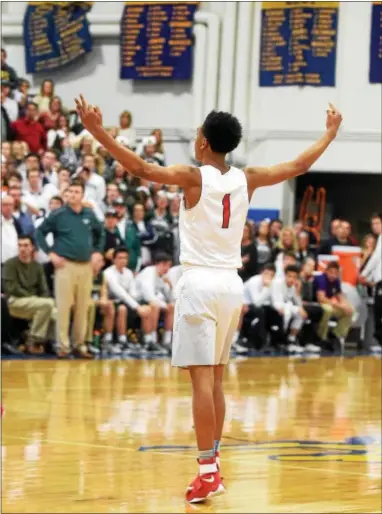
{"x":181,"y":175}
{"x":261,"y":176}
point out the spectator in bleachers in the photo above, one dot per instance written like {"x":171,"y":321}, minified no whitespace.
{"x":9,"y":104}
{"x":6,"y":128}
{"x":7,"y":72}
{"x":287,"y":304}
{"x":42,"y":100}
{"x":263,"y":245}
{"x":30,"y":130}
{"x":60,"y":131}
{"x":77,"y":233}
{"x":303,"y":244}
{"x":125,"y":128}
{"x":286,"y":244}
{"x":10,"y":230}
{"x":18,"y":152}
{"x":50,"y":117}
{"x":21,"y":95}
{"x":153,"y":290}
{"x":159,"y":149}
{"x":368,"y":246}
{"x":95,"y":186}
{"x":122,"y":287}
{"x":145,"y":232}
{"x":36,"y":194}
{"x":340,"y":238}
{"x":113,"y":238}
{"x":248,"y":253}
{"x":112,"y":194}
{"x":257,"y":299}
{"x":63,"y":179}
{"x":298,"y":227}
{"x":123,"y":216}
{"x":275,"y":227}
{"x":22,"y":211}
{"x":347,"y":229}
{"x":371,"y":275}
{"x":28,"y":294}
{"x":328,"y":293}
{"x":161,"y":222}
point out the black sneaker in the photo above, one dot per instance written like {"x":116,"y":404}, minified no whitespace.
{"x":154,"y":348}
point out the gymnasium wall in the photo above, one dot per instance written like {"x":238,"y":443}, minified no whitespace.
{"x":278,"y":122}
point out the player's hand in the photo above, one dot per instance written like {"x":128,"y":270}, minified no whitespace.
{"x":143,"y":311}
{"x":90,"y":115}
{"x":333,"y":120}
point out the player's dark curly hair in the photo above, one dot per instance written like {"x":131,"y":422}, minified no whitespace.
{"x":222,"y":131}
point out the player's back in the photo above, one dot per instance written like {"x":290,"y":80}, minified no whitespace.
{"x":211,"y":231}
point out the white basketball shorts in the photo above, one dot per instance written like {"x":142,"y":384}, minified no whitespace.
{"x":207,"y":311}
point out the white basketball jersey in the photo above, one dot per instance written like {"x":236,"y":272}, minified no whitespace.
{"x":211,"y":232}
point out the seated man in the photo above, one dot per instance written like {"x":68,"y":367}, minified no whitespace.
{"x":328,"y":293}
{"x":100,"y":304}
{"x":121,"y":284}
{"x":152,"y":289}
{"x":255,"y":315}
{"x":287,"y":304}
{"x":28,"y":295}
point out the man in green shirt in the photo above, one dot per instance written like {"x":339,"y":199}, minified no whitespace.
{"x":77,"y":236}
{"x":28,"y":294}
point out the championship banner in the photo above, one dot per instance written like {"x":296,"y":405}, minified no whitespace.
{"x":375,"y":73}
{"x":55,"y":34}
{"x":298,"y":43}
{"x":157,"y":40}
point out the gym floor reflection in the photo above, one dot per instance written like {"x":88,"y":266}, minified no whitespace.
{"x":117,"y":436}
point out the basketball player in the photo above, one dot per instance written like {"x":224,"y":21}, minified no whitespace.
{"x":209,"y":293}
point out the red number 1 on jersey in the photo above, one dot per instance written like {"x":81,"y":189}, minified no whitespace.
{"x":226,"y":210}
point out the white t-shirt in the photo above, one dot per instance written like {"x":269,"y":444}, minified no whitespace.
{"x":211,"y":232}
{"x":151,"y":288}
{"x":122,"y":285}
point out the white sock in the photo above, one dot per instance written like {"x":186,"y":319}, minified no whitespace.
{"x":122,"y":339}
{"x":235,"y":337}
{"x":108,"y":337}
{"x":292,"y":338}
{"x":167,"y":337}
{"x":147,"y":338}
{"x":154,"y":336}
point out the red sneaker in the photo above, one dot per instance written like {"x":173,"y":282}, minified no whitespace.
{"x":205,"y":486}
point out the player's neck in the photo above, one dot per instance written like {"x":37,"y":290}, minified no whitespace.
{"x":216,"y":160}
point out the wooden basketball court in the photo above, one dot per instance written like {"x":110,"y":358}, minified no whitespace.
{"x":116,"y":436}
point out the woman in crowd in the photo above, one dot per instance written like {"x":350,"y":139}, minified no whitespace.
{"x":125,"y":128}
{"x":159,"y":149}
{"x":368,"y":247}
{"x":248,"y":253}
{"x":263,"y":245}
{"x":60,"y":131}
{"x":145,"y":232}
{"x":286,"y":243}
{"x":49,"y":118}
{"x":46,"y":94}
{"x":274,"y":230}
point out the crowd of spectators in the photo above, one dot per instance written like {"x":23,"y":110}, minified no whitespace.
{"x":49,"y":161}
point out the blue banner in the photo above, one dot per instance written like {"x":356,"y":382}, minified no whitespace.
{"x":55,"y":34}
{"x":298,"y":43}
{"x":157,"y":40}
{"x":375,"y":73}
